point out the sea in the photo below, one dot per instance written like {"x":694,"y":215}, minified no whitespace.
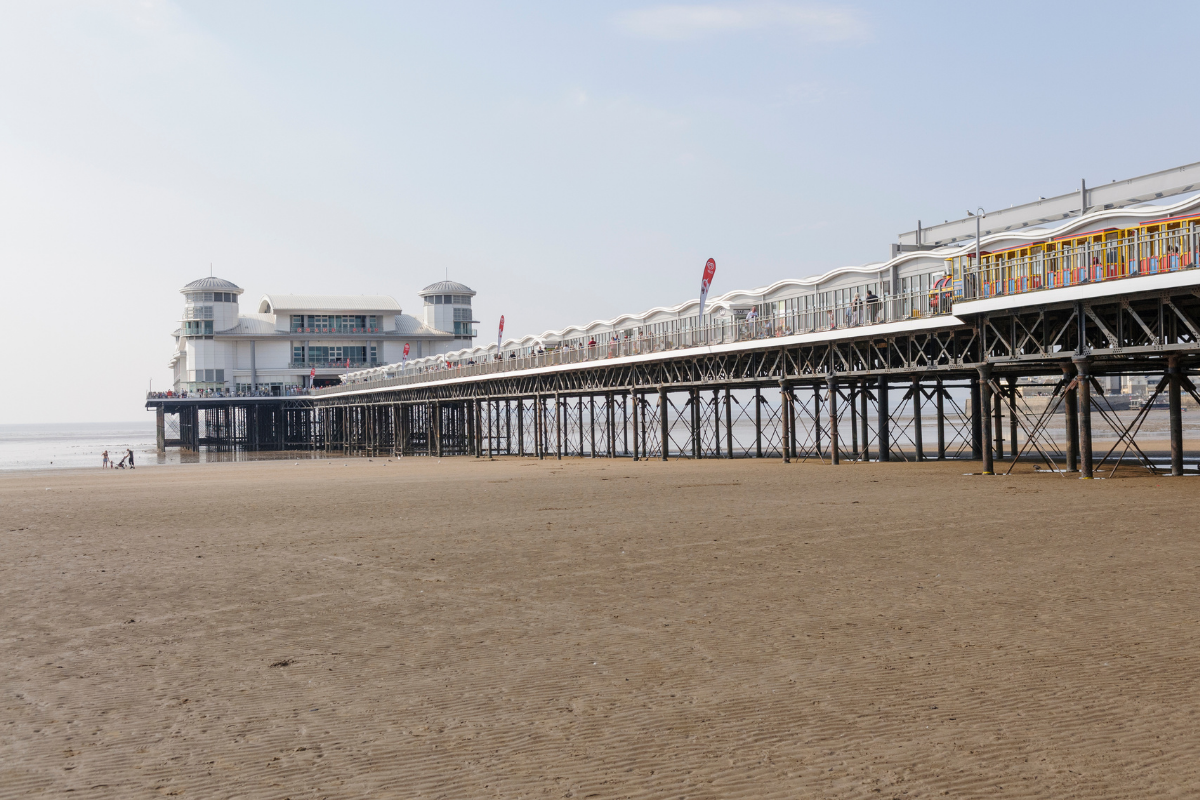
{"x":75,"y":444}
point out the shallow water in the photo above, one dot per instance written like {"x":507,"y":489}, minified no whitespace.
{"x":74,"y":444}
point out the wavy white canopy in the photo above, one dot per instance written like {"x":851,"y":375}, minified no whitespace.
{"x":1150,"y":210}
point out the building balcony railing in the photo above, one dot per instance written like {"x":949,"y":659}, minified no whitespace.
{"x":331,"y":330}
{"x":225,"y":394}
{"x":1118,"y":258}
{"x":340,"y":364}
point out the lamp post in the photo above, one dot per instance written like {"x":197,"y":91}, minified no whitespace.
{"x":984,"y":412}
{"x":980,"y":214}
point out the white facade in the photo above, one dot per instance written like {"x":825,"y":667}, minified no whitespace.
{"x":295,"y":341}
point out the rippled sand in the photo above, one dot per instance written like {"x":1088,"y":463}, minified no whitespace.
{"x":597,"y":629}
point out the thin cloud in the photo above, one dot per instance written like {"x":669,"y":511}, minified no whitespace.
{"x":690,"y":22}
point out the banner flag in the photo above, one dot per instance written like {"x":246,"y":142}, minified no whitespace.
{"x":404,"y":360}
{"x":710,"y":269}
{"x":500,"y":335}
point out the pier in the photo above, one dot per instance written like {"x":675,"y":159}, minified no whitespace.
{"x":924,"y":356}
{"x":833,"y":395}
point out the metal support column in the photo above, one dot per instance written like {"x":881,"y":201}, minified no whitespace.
{"x":757,"y":422}
{"x":662,"y":413}
{"x":834,"y":456}
{"x":941,"y":420}
{"x":539,"y":409}
{"x":976,"y":422}
{"x":492,"y":433}
{"x":1012,"y":417}
{"x":817,"y":418}
{"x":520,"y":426}
{"x":643,"y":405}
{"x":592,"y":422}
{"x":560,"y":413}
{"x":852,"y":402}
{"x":717,"y":421}
{"x":792,"y":421}
{"x":1175,"y":402}
{"x":1072,"y":421}
{"x":580,"y":409}
{"x":918,"y":434}
{"x":998,"y":411}
{"x":985,"y":415}
{"x":425,"y":414}
{"x":728,"y":422}
{"x":437,"y":422}
{"x":611,"y":416}
{"x":636,"y":416}
{"x":1083,"y":367}
{"x":864,"y":431}
{"x":625,"y":422}
{"x":783,"y":416}
{"x":160,"y":428}
{"x":884,"y":432}
{"x":694,"y":402}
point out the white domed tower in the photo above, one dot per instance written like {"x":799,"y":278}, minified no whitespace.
{"x":448,"y":308}
{"x":202,"y":362}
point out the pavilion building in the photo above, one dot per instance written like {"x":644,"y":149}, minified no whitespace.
{"x":293,"y":341}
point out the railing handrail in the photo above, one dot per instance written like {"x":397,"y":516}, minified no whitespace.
{"x":198,"y":395}
{"x":853,"y":314}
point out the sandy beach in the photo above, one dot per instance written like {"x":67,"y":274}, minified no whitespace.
{"x":606,"y":629}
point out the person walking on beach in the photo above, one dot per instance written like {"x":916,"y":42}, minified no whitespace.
{"x":129,"y":454}
{"x":104,"y":463}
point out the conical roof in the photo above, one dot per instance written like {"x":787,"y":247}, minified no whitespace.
{"x":446,"y":287}
{"x":211,"y":284}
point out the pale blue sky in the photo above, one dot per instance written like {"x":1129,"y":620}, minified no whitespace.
{"x":569,"y":161}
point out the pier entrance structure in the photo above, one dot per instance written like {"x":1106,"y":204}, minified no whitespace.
{"x":296,"y":342}
{"x":846,"y":366}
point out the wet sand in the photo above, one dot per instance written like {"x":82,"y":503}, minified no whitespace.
{"x":597,"y":629}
